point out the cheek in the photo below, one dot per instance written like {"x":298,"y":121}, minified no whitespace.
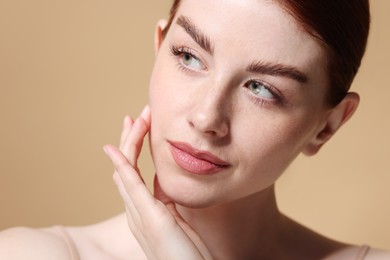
{"x":163,"y":90}
{"x":273,"y":143}
{"x":156,"y":91}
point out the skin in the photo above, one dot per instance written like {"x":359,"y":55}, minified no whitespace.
{"x":258,"y":135}
{"x":217,"y":113}
{"x":206,"y":101}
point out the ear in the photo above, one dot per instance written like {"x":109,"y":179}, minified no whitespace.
{"x":158,"y":35}
{"x":336,"y":117}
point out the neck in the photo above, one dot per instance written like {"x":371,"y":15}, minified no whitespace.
{"x":236,"y":229}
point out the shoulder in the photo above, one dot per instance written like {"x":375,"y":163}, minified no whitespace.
{"x":28,"y":243}
{"x":377,"y":254}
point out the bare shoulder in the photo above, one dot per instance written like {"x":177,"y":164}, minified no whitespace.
{"x":377,"y":254}
{"x":28,"y":243}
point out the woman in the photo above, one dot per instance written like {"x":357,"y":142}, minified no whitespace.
{"x":239,"y":89}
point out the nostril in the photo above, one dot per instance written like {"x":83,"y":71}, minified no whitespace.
{"x":210,"y":132}
{"x":212,"y":125}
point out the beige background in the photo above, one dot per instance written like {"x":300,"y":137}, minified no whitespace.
{"x":69,"y":72}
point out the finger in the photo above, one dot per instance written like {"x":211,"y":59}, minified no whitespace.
{"x":129,"y":205}
{"x":145,"y":114}
{"x":136,"y":190}
{"x":122,"y":191}
{"x":134,"y":140}
{"x":133,"y":217}
{"x":127,"y":124}
{"x":146,"y":209}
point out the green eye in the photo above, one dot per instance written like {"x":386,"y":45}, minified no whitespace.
{"x":260,"y":89}
{"x":187,"y":59}
{"x":191,"y":62}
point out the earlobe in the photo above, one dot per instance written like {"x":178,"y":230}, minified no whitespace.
{"x":335,"y":119}
{"x":158,"y":36}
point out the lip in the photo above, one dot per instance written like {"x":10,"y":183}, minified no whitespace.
{"x":196,"y":161}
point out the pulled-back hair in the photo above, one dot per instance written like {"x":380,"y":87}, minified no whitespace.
{"x":341,"y":26}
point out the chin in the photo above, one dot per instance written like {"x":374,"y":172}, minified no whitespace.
{"x":196,"y":203}
{"x":188,"y":192}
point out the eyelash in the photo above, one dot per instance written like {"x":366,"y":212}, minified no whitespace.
{"x":257,"y":100}
{"x":279,"y":99}
{"x":179,"y":52}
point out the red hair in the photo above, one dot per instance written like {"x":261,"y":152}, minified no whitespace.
{"x":341,"y":26}
{"x":172,"y":15}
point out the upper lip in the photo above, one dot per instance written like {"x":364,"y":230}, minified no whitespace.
{"x":199,"y":154}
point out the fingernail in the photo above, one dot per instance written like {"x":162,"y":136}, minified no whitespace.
{"x":106,"y":150}
{"x":126,"y":121}
{"x":145,"y":111}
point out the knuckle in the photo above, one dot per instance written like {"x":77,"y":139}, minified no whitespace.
{"x":122,"y":164}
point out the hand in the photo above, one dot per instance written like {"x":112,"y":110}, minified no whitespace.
{"x":158,"y":227}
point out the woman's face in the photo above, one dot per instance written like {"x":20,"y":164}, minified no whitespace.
{"x":237,"y":92}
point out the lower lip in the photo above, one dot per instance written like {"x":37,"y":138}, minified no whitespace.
{"x":193,"y":164}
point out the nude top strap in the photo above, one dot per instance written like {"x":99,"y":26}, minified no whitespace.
{"x":69,"y":242}
{"x":362,"y":252}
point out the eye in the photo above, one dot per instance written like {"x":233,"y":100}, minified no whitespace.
{"x":263,"y":93}
{"x":260,"y":89}
{"x":187,"y":59}
{"x":191,"y":61}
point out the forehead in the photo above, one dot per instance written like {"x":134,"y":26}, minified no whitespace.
{"x":256,"y":29}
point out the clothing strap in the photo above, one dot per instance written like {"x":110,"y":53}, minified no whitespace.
{"x":363,"y":251}
{"x":69,"y":242}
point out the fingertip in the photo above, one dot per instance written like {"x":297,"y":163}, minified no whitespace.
{"x":126,"y":121}
{"x":107,"y":149}
{"x":145,"y":114}
{"x":145,"y":111}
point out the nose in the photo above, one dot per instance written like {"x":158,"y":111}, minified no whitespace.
{"x":210,"y":115}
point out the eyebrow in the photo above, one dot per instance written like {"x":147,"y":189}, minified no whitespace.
{"x":202,"y":40}
{"x":255,"y":67}
{"x":277,"y":70}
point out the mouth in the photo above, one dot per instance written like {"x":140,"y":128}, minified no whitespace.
{"x":196,"y":161}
